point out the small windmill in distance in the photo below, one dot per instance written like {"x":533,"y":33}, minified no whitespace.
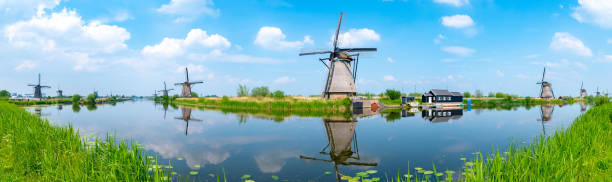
{"x":186,"y":92}
{"x":38,"y":88}
{"x":583,"y":92}
{"x":165,"y":90}
{"x":545,"y":88}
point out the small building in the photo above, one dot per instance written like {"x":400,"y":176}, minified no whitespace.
{"x":442,"y":97}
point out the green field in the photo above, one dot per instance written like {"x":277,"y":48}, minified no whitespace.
{"x":268,"y":104}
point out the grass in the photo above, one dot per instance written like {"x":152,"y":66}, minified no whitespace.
{"x":267,"y":104}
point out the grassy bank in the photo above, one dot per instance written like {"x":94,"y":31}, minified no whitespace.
{"x":31,"y":149}
{"x":39,"y":102}
{"x":270,"y":104}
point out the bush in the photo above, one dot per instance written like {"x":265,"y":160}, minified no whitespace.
{"x":500,"y":95}
{"x":278,"y":94}
{"x":602,"y":100}
{"x":242,"y":90}
{"x":393,"y":94}
{"x":91,"y":99}
{"x":174,"y":97}
{"x":4,"y":93}
{"x":491,"y":94}
{"x":260,"y":91}
{"x":193,"y":94}
{"x":76,"y":98}
{"x":467,"y":95}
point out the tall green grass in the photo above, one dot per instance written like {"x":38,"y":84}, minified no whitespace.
{"x":273,"y":105}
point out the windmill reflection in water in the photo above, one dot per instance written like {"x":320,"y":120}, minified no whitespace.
{"x":342,"y":144}
{"x":545,"y":115}
{"x":186,"y":117}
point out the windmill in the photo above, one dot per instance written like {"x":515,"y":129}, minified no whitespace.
{"x":155,"y":93}
{"x":186,"y":117}
{"x":583,"y":91}
{"x":37,"y":88}
{"x":165,"y":90}
{"x":545,"y":115}
{"x":342,"y":145}
{"x":341,"y":76}
{"x":545,"y":87}
{"x":187,"y":85}
{"x":597,"y":93}
{"x":59,"y":92}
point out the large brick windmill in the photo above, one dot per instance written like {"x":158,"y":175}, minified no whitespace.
{"x":340,"y":82}
{"x":38,"y":88}
{"x":165,"y":90}
{"x":545,"y":87}
{"x":187,"y":85}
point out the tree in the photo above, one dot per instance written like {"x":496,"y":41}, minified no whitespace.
{"x":415,"y":94}
{"x":260,"y":91}
{"x":278,"y":94}
{"x":467,"y":94}
{"x":4,"y":93}
{"x":76,"y":98}
{"x":393,"y":94}
{"x":478,"y":93}
{"x":242,"y":91}
{"x":491,"y":94}
{"x":91,"y":99}
{"x":500,"y":95}
{"x":193,"y":94}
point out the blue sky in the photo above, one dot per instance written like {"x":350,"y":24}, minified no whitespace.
{"x":131,"y":47}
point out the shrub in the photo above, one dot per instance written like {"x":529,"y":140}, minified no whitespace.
{"x":491,"y":94}
{"x":193,"y":94}
{"x":500,"y":95}
{"x":76,"y":98}
{"x":91,"y":99}
{"x":393,"y":94}
{"x":260,"y":91}
{"x":467,"y":95}
{"x":4,"y":93}
{"x":278,"y":94}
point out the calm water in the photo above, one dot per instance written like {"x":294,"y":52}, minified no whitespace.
{"x":304,"y":148}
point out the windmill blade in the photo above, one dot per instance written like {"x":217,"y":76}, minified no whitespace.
{"x":313,"y":53}
{"x":32,"y":85}
{"x":45,"y":86}
{"x":337,"y":32}
{"x":177,"y":84}
{"x":196,"y":82}
{"x":358,"y":49}
{"x":543,"y":73}
{"x":192,"y":119}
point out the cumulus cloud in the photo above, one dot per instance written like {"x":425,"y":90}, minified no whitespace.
{"x":284,"y":79}
{"x":565,"y":42}
{"x":274,"y":39}
{"x":439,"y":38}
{"x":389,"y":78}
{"x":457,"y":21}
{"x":607,"y":58}
{"x":26,"y":8}
{"x":196,"y":40}
{"x":458,"y":50}
{"x":456,"y":3}
{"x":357,"y":37}
{"x":187,"y":10}
{"x":390,"y":60}
{"x":594,"y":11}
{"x":25,"y":65}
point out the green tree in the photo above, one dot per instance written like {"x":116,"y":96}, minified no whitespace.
{"x":500,"y":95}
{"x":415,"y":94}
{"x":193,"y":94}
{"x":242,"y":91}
{"x":4,"y":93}
{"x":278,"y":94}
{"x":393,"y":94}
{"x":91,"y":99}
{"x":467,"y":95}
{"x":491,"y":94}
{"x":478,"y":93}
{"x":260,"y":91}
{"x":76,"y":98}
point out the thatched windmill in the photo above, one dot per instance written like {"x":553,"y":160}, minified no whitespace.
{"x":583,"y":92}
{"x":186,"y":92}
{"x":545,"y":87}
{"x":340,"y":82}
{"x":342,"y":144}
{"x":165,"y":90}
{"x":38,"y":88}
{"x":186,"y":117}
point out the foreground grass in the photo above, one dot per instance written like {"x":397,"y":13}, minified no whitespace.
{"x":31,"y":149}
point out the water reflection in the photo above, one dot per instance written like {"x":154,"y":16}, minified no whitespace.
{"x":342,"y":145}
{"x":76,"y":108}
{"x":441,"y":115}
{"x":185,"y":117}
{"x":582,"y":107}
{"x":545,"y":115}
{"x":59,"y":107}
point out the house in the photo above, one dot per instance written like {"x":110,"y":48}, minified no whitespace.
{"x":442,"y":97}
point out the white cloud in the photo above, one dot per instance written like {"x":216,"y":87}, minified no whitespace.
{"x":594,"y":11}
{"x":607,"y":58}
{"x":521,"y":76}
{"x":191,"y":67}
{"x":439,"y":38}
{"x":26,"y":8}
{"x":284,"y":79}
{"x":457,"y":21}
{"x":274,"y":39}
{"x":499,"y":73}
{"x":357,"y":37}
{"x":609,"y":41}
{"x":580,"y":65}
{"x":196,"y":40}
{"x":390,"y":60}
{"x":458,"y":50}
{"x":565,"y":42}
{"x":187,"y":10}
{"x":531,"y":56}
{"x":389,"y":78}
{"x":456,"y":3}
{"x":118,"y":16}
{"x":26,"y":65}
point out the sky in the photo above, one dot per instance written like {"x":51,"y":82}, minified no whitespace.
{"x":132,"y":47}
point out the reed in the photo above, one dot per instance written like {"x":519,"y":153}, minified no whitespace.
{"x":266,"y":104}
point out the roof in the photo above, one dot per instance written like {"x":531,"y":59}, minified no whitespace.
{"x":440,"y":92}
{"x":456,"y":94}
{"x":427,"y":94}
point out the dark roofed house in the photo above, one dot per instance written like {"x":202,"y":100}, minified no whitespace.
{"x":443,"y":97}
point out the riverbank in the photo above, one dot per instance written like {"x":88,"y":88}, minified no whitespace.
{"x":486,"y":102}
{"x":269,"y":104}
{"x":582,"y":152}
{"x":64,"y":101}
{"x":31,"y":149}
